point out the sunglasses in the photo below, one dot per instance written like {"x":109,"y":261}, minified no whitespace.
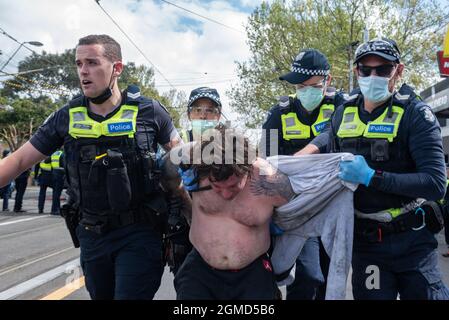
{"x":384,"y":70}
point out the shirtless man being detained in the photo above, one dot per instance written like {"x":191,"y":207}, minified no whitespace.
{"x":231,"y":213}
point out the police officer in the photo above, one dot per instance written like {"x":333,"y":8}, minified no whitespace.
{"x":42,"y":172}
{"x":203,"y":111}
{"x":58,"y":176}
{"x":5,"y":190}
{"x":109,"y":140}
{"x":299,"y":118}
{"x":21,"y":184}
{"x":399,"y":159}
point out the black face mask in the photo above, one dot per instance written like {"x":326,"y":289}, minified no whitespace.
{"x":107,"y":93}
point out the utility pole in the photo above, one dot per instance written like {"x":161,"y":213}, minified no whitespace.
{"x":350,"y":47}
{"x":33,"y":43}
{"x":21,"y":44}
{"x":365,"y":34}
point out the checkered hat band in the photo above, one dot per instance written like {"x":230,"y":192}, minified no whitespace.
{"x":205,"y":95}
{"x":310,"y":72}
{"x":378,"y":46}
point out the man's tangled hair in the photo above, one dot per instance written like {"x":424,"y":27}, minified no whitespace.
{"x":224,"y":152}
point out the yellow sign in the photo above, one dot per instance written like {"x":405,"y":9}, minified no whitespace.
{"x":446,"y":44}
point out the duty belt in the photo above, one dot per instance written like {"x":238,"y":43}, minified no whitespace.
{"x":389,"y":215}
{"x":373,"y":231}
{"x":101,"y":224}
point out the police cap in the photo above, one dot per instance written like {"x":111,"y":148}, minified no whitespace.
{"x":308,"y":63}
{"x":382,"y":47}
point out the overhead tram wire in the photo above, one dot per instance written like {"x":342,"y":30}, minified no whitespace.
{"x":204,"y":17}
{"x":135,"y":45}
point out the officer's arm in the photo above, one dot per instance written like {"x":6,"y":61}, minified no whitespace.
{"x":19,"y":161}
{"x":425,"y":145}
{"x":171,"y":182}
{"x":271,"y":134}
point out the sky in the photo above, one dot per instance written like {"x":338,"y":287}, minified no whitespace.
{"x":188,"y":50}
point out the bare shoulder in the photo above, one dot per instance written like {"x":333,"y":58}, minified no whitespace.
{"x":270,"y":182}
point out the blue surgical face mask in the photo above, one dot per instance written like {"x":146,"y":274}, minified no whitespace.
{"x":310,"y":97}
{"x":199,"y":126}
{"x":374,"y":88}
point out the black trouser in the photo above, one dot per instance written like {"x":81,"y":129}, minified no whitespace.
{"x":58,"y":185}
{"x":198,"y":280}
{"x":42,"y":196}
{"x":21,"y":185}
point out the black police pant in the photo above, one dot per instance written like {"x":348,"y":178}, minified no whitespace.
{"x":123,"y":264}
{"x":45,"y":181}
{"x":404,"y":264}
{"x":198,"y":280}
{"x":21,"y":185}
{"x":58,"y":185}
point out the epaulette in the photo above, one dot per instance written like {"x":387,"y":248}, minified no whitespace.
{"x":77,"y":101}
{"x":350,"y":98}
{"x":284,"y":103}
{"x":133,"y":95}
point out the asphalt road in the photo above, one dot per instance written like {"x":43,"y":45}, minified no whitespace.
{"x":38,"y":260}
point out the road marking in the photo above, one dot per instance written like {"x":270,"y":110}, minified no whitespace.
{"x":5,"y":271}
{"x":23,"y":220}
{"x":28,"y":231}
{"x":68,"y":289}
{"x":39,"y":280}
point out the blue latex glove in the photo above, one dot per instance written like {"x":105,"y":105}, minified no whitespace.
{"x":189,"y":179}
{"x":275,"y":230}
{"x":356,"y":171}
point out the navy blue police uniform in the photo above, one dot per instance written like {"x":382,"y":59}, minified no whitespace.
{"x":21,"y":185}
{"x":44,"y":176}
{"x":296,"y":128}
{"x":403,"y":144}
{"x":111,"y":170}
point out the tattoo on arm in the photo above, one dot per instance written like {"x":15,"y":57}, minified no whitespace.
{"x":272,"y":186}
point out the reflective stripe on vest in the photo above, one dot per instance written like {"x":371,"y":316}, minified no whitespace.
{"x":122,"y":123}
{"x":45,"y":166}
{"x":383,"y":127}
{"x":55,"y":159}
{"x":292,"y":128}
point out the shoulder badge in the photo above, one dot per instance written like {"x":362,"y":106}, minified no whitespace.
{"x":427,"y":114}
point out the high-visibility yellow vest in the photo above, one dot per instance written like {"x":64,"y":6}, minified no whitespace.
{"x":55,"y":159}
{"x":384,"y":127}
{"x":122,"y":123}
{"x":45,"y":166}
{"x":293,"y":128}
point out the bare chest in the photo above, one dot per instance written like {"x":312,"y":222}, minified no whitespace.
{"x":245,"y":209}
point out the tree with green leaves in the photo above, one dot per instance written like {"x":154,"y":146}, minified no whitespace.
{"x":19,"y":118}
{"x":278,"y":31}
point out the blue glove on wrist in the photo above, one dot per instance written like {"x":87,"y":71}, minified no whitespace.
{"x":275,"y":230}
{"x":189,"y":179}
{"x":356,"y":171}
